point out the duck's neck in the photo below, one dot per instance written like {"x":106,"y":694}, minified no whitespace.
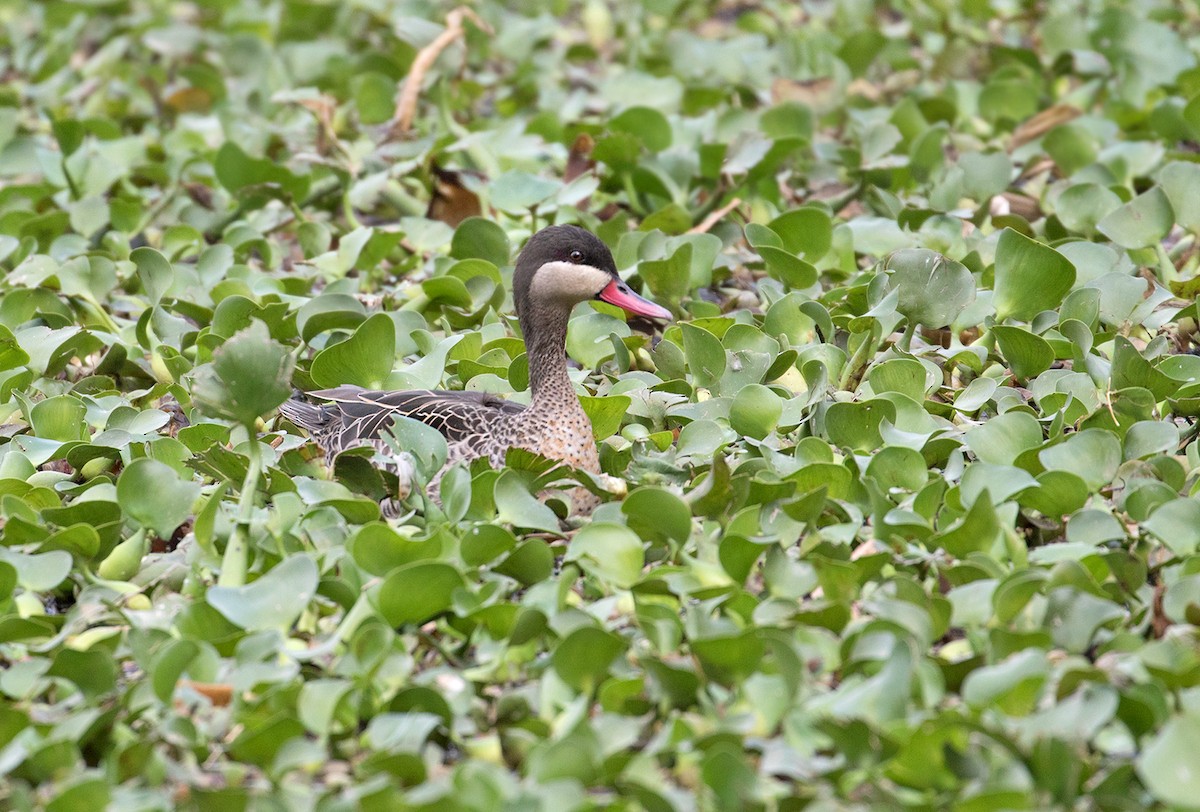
{"x":546,"y":342}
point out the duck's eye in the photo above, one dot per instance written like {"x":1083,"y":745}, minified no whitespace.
{"x":577,"y":256}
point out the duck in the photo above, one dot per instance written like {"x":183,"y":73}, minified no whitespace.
{"x":559,"y":267}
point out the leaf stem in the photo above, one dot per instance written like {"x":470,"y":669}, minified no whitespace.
{"x":858,"y":360}
{"x":237,"y":551}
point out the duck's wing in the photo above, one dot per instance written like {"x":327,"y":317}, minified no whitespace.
{"x":358,"y":416}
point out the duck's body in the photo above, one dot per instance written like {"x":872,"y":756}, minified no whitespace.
{"x":560,"y":267}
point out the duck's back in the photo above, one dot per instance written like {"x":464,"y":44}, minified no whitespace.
{"x":475,"y":424}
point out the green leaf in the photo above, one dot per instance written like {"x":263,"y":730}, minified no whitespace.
{"x":1028,"y":355}
{"x":1012,"y":686}
{"x":38,"y":572}
{"x":1084,"y":205}
{"x":59,"y":418}
{"x":364,"y":359}
{"x":975,"y":532}
{"x":856,"y":425}
{"x":1005,"y":437}
{"x":517,"y":191}
{"x":654,"y":513}
{"x":606,"y":413}
{"x":611,"y":552}
{"x":153,"y":495}
{"x":426,"y":444}
{"x":1140,"y":223}
{"x":379,"y":549}
{"x":274,"y":601}
{"x":807,"y":232}
{"x":646,"y":124}
{"x":374,"y":96}
{"x":755,"y":411}
{"x":476,"y":237}
{"x":1030,"y":277}
{"x":417,"y":592}
{"x":1167,"y":764}
{"x":250,"y":375}
{"x":1092,"y":454}
{"x":1179,"y":180}
{"x":933,"y":289}
{"x":516,"y":506}
{"x":154,"y":271}
{"x":583,"y":657}
{"x":238,"y":172}
{"x":11,"y":354}
{"x":704,"y":353}
{"x":1177,"y":525}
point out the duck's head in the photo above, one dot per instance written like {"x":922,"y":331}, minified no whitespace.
{"x":562,"y":266}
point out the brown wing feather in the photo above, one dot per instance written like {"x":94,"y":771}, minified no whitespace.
{"x":357,"y":416}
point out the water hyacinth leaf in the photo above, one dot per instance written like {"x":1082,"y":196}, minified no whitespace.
{"x":1013,"y":685}
{"x":153,"y":495}
{"x":1028,"y":355}
{"x":655,"y":513}
{"x":273,"y":601}
{"x":59,"y":418}
{"x":788,"y":268}
{"x":606,"y":413}
{"x":669,"y":280}
{"x":1030,"y":277}
{"x":516,"y":191}
{"x":904,"y":376}
{"x":1178,"y":180}
{"x":755,"y":411}
{"x":422,"y":441}
{"x":856,"y":425}
{"x":477,"y":237}
{"x":895,"y":467}
{"x":1168,"y":765}
{"x":530,"y":563}
{"x":240,"y":173}
{"x":364,"y":359}
{"x":646,"y":124}
{"x":611,"y":552}
{"x":728,"y":658}
{"x":517,"y":506}
{"x":329,"y":311}
{"x":38,"y":572}
{"x":1148,"y":437}
{"x":806,"y":232}
{"x":1140,"y":223}
{"x":485,"y":543}
{"x":374,"y":96}
{"x":582,"y":659}
{"x":1005,"y":437}
{"x":1092,"y":454}
{"x":1084,"y":205}
{"x":417,"y":592}
{"x":1177,"y":525}
{"x":933,"y":289}
{"x":1130,"y":368}
{"x":11,"y":354}
{"x":975,"y":532}
{"x":93,"y":672}
{"x":154,"y":271}
{"x":249,"y":376}
{"x":379,"y":549}
{"x":319,"y":701}
{"x":588,"y":337}
{"x":705,"y":355}
{"x":1181,"y":602}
